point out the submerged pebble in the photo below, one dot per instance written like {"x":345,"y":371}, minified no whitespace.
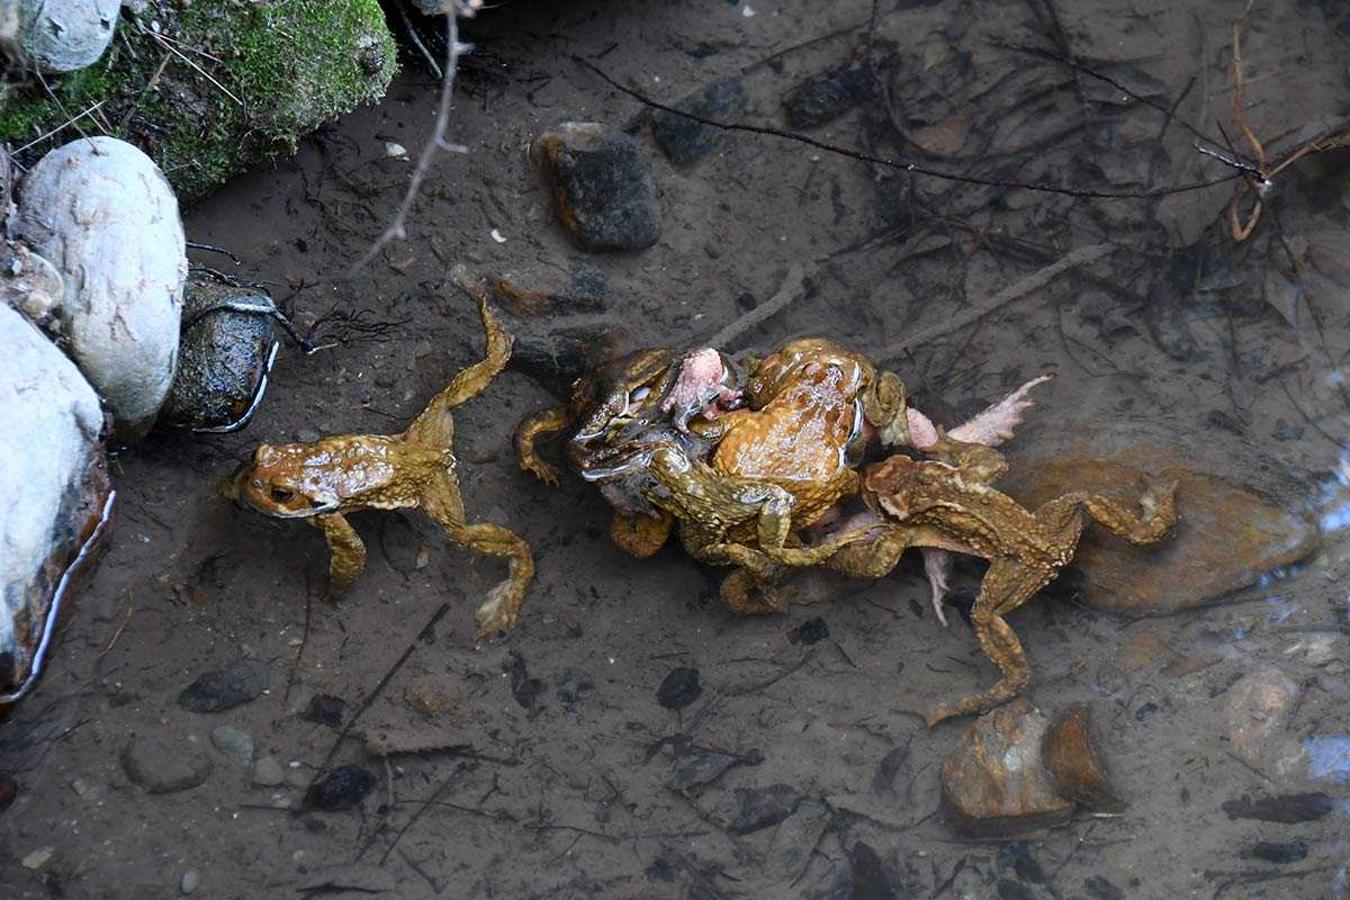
{"x":236,"y":684}
{"x":1286,"y":808}
{"x":343,"y":788}
{"x":679,"y":688}
{"x":685,"y":141}
{"x":994,"y":781}
{"x":606,"y":198}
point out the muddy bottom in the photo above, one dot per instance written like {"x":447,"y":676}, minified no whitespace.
{"x":547,"y":764}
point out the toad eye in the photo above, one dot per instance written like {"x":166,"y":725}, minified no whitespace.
{"x":281,"y":495}
{"x":639,"y":394}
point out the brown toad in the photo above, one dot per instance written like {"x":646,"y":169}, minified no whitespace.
{"x":324,"y":480}
{"x":949,"y":502}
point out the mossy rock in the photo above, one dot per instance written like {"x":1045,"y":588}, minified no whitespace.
{"x":210,"y":88}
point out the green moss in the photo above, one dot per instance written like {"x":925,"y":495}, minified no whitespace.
{"x":221,"y":86}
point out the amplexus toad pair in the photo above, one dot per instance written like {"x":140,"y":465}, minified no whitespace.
{"x":756,"y":463}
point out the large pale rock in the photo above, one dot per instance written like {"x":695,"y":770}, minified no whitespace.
{"x":53,"y":478}
{"x":66,"y":35}
{"x":995,"y":783}
{"x":1229,"y":536}
{"x":103,"y":214}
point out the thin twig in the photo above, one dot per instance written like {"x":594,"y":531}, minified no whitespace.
{"x":397,"y":229}
{"x":378,"y":689}
{"x":1033,"y":282}
{"x":412,"y":820}
{"x":902,"y":165}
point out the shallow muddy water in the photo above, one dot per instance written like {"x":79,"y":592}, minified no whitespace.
{"x":542,"y":765}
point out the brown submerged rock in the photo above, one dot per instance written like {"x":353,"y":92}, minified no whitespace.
{"x":1071,"y":753}
{"x":994,"y":781}
{"x":1228,"y":536}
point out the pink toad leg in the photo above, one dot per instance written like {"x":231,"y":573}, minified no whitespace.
{"x":995,"y":425}
{"x":937,"y":564}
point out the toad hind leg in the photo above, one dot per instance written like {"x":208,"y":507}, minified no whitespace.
{"x":1007,"y":585}
{"x":541,"y":424}
{"x":348,"y":554}
{"x":441,"y":501}
{"x":640,"y":535}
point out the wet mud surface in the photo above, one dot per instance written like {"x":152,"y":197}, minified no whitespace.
{"x":784,"y":757}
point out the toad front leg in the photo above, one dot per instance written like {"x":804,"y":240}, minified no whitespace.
{"x":441,"y":501}
{"x":348,"y":554}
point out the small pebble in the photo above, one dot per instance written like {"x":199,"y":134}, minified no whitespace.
{"x":233,"y":743}
{"x":38,"y":858}
{"x":680,"y":688}
{"x":268,"y":772}
{"x":326,"y":710}
{"x":189,"y":882}
{"x":343,"y":788}
{"x":238,"y":683}
{"x":395,"y":151}
{"x":9,"y":789}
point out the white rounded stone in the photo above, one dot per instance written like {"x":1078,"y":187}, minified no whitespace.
{"x":102,"y":212}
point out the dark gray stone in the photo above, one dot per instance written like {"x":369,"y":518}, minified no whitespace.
{"x":603,"y":187}
{"x":825,"y":97}
{"x":227,"y":688}
{"x":686,"y":142}
{"x":224,"y":356}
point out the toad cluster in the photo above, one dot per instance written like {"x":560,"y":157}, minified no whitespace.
{"x":809,"y":456}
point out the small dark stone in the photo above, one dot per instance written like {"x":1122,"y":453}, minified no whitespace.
{"x":686,"y":142}
{"x":343,"y":788}
{"x":1286,"y":808}
{"x":1280,"y":852}
{"x":224,"y":356}
{"x":240,"y":682}
{"x":825,"y":97}
{"x":1017,"y":856}
{"x":745,"y":301}
{"x":372,"y":60}
{"x":1100,"y":889}
{"x":1145,"y":711}
{"x":557,"y":355}
{"x":679,"y":688}
{"x":1008,"y":889}
{"x":809,"y":632}
{"x":604,"y":190}
{"x":524,"y":689}
{"x":661,"y":869}
{"x":1343,"y":27}
{"x":759,"y":808}
{"x":9,"y":789}
{"x":869,"y":876}
{"x":572,"y":686}
{"x":709,"y":765}
{"x":326,"y":710}
{"x":888,"y":768}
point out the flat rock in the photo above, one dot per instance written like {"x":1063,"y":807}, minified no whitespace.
{"x":1288,"y":809}
{"x":795,"y":840}
{"x":1229,"y":535}
{"x":238,"y":683}
{"x":759,"y":808}
{"x":606,"y":198}
{"x":994,"y":781}
{"x":161,"y":767}
{"x":686,"y":142}
{"x":1259,"y":706}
